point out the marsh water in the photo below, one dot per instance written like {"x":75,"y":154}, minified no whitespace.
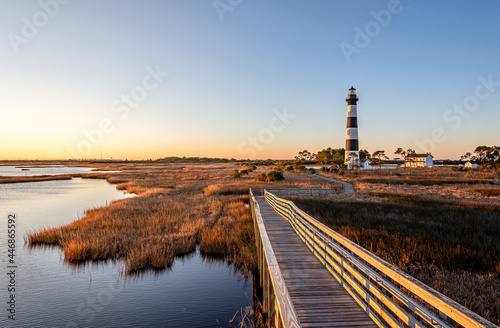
{"x":23,"y":170}
{"x":49,"y":292}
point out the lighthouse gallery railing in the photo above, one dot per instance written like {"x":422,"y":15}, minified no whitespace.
{"x":382,"y":290}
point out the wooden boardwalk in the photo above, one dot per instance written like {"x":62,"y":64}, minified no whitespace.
{"x":319,"y":300}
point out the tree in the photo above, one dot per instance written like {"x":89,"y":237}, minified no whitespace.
{"x":324,"y":157}
{"x":401,"y":152}
{"x":305,"y":156}
{"x":352,"y":159}
{"x":364,"y":154}
{"x":466,"y":157}
{"x":380,"y":154}
{"x":404,"y":154}
{"x":484,"y":154}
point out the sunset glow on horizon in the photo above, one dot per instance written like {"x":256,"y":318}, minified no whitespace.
{"x":146,"y":80}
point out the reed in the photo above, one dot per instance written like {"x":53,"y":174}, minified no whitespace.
{"x":179,"y":207}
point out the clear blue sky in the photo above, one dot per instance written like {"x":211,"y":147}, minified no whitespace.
{"x":224,"y":71}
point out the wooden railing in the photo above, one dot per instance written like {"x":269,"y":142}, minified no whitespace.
{"x":389,"y":296}
{"x":276,"y":300}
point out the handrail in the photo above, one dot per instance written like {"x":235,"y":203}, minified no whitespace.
{"x":289,"y":318}
{"x":372,"y":281}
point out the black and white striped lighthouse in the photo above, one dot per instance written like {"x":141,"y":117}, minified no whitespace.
{"x":351,"y":143}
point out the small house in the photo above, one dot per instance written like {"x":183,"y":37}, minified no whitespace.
{"x":471,"y":165}
{"x":366,"y":164}
{"x":419,"y":160}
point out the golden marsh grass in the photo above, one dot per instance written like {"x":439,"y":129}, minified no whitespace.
{"x":179,"y":207}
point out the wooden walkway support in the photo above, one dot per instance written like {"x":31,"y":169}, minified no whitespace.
{"x":348,"y":286}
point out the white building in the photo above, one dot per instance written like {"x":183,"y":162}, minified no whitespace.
{"x":366,"y":164}
{"x":419,"y":160}
{"x":471,"y":165}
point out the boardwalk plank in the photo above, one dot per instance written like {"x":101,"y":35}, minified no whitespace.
{"x":319,"y":300}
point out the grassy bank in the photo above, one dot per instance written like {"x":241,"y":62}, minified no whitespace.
{"x":39,"y":178}
{"x":179,"y":206}
{"x":453,"y":247}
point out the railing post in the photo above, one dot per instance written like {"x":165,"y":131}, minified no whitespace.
{"x":261,"y":265}
{"x":271,"y":301}
{"x":277,"y":321}
{"x":265,"y":287}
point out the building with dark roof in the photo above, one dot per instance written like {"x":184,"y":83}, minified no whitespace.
{"x":419,"y":160}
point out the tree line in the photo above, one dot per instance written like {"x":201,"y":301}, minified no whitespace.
{"x":483,"y":155}
{"x":336,"y":156}
{"x":327,"y":156}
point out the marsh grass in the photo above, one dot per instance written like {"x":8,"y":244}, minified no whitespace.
{"x":425,"y":181}
{"x":179,"y":207}
{"x":490,"y":192}
{"x":440,"y":175}
{"x":454,"y":247}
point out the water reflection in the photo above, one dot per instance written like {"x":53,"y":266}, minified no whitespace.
{"x":196,"y":291}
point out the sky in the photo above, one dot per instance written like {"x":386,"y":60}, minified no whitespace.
{"x":130,"y":79}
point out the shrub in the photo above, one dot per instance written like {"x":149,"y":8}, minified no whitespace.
{"x":244,"y":172}
{"x":270,"y":176}
{"x":297,"y":167}
{"x":261,"y":176}
{"x":275,"y":176}
{"x":235,"y":174}
{"x":251,"y":168}
{"x":289,"y":168}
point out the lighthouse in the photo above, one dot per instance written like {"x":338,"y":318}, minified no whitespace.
{"x":351,"y":144}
